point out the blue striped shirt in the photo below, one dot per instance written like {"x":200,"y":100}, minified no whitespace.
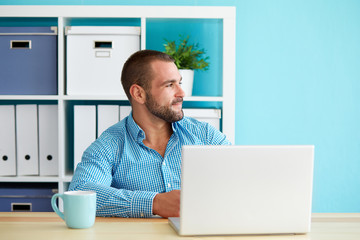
{"x":127,"y":175}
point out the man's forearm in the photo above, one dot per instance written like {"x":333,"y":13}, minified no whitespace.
{"x":119,"y":202}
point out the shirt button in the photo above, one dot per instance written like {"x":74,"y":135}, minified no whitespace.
{"x":142,"y":214}
{"x":164,"y":163}
{"x":169,"y":185}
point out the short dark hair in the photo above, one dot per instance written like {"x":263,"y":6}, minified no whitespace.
{"x":137,"y":70}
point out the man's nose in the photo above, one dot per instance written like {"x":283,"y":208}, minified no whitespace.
{"x":180,"y":91}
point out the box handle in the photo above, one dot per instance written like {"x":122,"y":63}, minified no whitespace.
{"x":103,"y":44}
{"x":21,"y":207}
{"x":20,"y":44}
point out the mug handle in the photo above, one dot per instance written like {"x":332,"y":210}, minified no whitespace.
{"x":55,"y":207}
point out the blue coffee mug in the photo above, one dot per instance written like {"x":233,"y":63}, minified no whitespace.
{"x":79,"y":208}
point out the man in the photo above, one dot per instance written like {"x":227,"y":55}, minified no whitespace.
{"x":135,"y":165}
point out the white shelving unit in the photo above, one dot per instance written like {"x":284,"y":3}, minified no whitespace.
{"x":65,"y":14}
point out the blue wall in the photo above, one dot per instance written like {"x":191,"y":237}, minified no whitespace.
{"x":298,"y":79}
{"x":298,"y":75}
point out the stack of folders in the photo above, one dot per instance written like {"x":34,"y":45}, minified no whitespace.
{"x":28,"y":140}
{"x":91,"y":120}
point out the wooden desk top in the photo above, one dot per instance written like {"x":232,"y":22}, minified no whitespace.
{"x":40,"y":226}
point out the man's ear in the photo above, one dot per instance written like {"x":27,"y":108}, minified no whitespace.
{"x":138,"y":93}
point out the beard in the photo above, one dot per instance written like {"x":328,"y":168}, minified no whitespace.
{"x":163,"y":112}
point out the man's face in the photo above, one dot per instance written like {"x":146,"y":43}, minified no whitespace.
{"x":164,"y":99}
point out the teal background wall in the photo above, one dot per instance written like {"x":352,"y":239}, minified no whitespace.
{"x":297,"y":82}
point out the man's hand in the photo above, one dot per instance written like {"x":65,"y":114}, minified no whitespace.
{"x":167,"y":204}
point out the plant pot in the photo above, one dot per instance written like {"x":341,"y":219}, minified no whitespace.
{"x":187,"y":81}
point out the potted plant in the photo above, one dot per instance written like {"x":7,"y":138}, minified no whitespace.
{"x":188,"y":57}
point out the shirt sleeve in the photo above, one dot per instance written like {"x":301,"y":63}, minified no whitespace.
{"x":94,"y":173}
{"x":215,"y":137}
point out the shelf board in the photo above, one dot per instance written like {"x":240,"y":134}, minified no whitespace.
{"x":119,"y":11}
{"x":29,"y":97}
{"x":95,"y":97}
{"x":30,"y":179}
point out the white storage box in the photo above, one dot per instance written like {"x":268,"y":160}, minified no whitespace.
{"x":95,"y":57}
{"x":211,"y":116}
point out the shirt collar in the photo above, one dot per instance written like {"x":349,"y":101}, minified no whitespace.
{"x":135,"y":131}
{"x":175,"y":125}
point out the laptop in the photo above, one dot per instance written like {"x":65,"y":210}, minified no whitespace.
{"x":245,"y":190}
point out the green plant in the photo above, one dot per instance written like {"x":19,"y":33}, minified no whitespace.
{"x":186,"y":56}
